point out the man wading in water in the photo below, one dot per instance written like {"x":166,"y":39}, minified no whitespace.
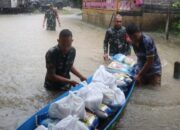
{"x":51,"y":15}
{"x":117,"y":38}
{"x":59,"y":64}
{"x":148,"y":67}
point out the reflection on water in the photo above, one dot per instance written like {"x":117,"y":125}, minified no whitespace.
{"x":22,"y":69}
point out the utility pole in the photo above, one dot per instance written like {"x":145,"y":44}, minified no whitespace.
{"x":168,"y":20}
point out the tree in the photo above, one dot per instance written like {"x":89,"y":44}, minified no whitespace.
{"x":77,"y":3}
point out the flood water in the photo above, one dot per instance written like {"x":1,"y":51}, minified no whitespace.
{"x":23,"y":44}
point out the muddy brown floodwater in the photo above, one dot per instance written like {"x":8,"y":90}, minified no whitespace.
{"x":23,"y":44}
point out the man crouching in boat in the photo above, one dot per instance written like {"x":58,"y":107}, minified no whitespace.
{"x":59,"y":63}
{"x":148,"y":67}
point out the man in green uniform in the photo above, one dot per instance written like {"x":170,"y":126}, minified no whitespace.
{"x":60,"y":62}
{"x":117,"y":39}
{"x":51,"y":15}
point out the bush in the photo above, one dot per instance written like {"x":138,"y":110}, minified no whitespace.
{"x":176,"y":5}
{"x":176,"y":23}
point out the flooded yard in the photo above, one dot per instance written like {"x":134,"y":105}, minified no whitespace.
{"x":24,"y":43}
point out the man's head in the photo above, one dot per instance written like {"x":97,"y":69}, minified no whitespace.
{"x":134,"y":32}
{"x":65,"y":40}
{"x":117,"y":21}
{"x":50,"y":6}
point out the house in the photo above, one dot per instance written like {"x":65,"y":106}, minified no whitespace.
{"x":12,"y":3}
{"x":100,"y":12}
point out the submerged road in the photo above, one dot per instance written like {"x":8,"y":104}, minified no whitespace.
{"x":24,"y":43}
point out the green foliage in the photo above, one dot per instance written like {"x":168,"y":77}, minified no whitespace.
{"x":176,"y":5}
{"x":77,"y":3}
{"x":176,"y":23}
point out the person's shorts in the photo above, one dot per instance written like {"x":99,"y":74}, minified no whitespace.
{"x":51,"y":28}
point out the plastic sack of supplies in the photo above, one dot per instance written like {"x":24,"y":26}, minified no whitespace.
{"x":115,"y":67}
{"x":124,"y":59}
{"x":118,"y":57}
{"x":103,"y":76}
{"x":91,"y":97}
{"x":119,"y":96}
{"x":109,"y":95}
{"x":122,"y":79}
{"x":129,"y":61}
{"x":41,"y":127}
{"x":69,"y":123}
{"x":69,"y":105}
{"x":49,"y":121}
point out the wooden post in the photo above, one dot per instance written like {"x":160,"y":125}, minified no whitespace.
{"x":117,"y":4}
{"x":116,"y":10}
{"x":167,"y":22}
{"x":111,"y":20}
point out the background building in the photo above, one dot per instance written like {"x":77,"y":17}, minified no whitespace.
{"x":149,"y":14}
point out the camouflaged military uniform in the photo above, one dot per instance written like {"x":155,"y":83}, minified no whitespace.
{"x":51,"y":16}
{"x":116,"y":38}
{"x":61,"y":64}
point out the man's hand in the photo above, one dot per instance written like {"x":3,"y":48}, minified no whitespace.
{"x":138,"y":79}
{"x":73,"y":83}
{"x":105,"y":56}
{"x":83,"y":78}
{"x":75,"y":72}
